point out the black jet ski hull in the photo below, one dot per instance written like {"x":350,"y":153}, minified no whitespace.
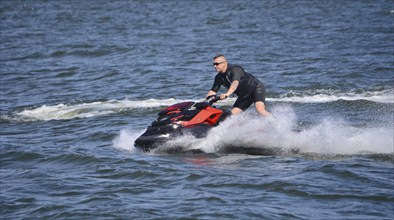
{"x":154,"y":137}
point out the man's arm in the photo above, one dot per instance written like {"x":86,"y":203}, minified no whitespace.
{"x":231,"y":90}
{"x":215,"y":87}
{"x":210,"y":93}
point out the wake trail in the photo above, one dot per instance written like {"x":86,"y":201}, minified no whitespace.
{"x":66,"y":111}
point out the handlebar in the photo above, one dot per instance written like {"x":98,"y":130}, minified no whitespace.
{"x":212,"y":99}
{"x":207,"y":102}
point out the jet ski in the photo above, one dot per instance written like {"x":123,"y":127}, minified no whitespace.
{"x":195,"y":118}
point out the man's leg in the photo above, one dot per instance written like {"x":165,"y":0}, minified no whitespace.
{"x":236,"y":111}
{"x":260,"y":108}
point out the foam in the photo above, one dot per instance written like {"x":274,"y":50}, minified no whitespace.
{"x":85,"y":110}
{"x":125,"y":140}
{"x":328,"y":95}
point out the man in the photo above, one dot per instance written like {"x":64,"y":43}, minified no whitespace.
{"x":248,"y":89}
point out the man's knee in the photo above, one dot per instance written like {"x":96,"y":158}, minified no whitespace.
{"x":259,"y":105}
{"x":260,"y":108}
{"x":236,"y":110}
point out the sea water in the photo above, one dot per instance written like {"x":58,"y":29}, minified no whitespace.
{"x":81,"y":80}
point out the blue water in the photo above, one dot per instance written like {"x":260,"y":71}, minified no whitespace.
{"x":81,"y":80}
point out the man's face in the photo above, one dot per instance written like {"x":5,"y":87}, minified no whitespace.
{"x":220,"y":64}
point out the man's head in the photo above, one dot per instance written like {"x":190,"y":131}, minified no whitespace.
{"x":220,"y":63}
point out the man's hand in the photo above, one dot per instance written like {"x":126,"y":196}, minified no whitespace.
{"x":210,"y":93}
{"x":223,"y":96}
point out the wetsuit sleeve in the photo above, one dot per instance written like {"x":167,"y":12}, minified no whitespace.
{"x":216,"y":84}
{"x":237,"y":73}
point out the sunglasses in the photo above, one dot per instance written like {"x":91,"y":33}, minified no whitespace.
{"x":216,"y":64}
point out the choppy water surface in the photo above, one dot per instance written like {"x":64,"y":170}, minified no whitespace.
{"x":81,"y":80}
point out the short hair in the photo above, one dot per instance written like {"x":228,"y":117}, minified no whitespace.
{"x":220,"y":55}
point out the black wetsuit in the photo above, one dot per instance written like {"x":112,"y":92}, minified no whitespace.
{"x":249,"y":90}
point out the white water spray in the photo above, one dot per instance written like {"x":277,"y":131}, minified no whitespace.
{"x":125,"y":140}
